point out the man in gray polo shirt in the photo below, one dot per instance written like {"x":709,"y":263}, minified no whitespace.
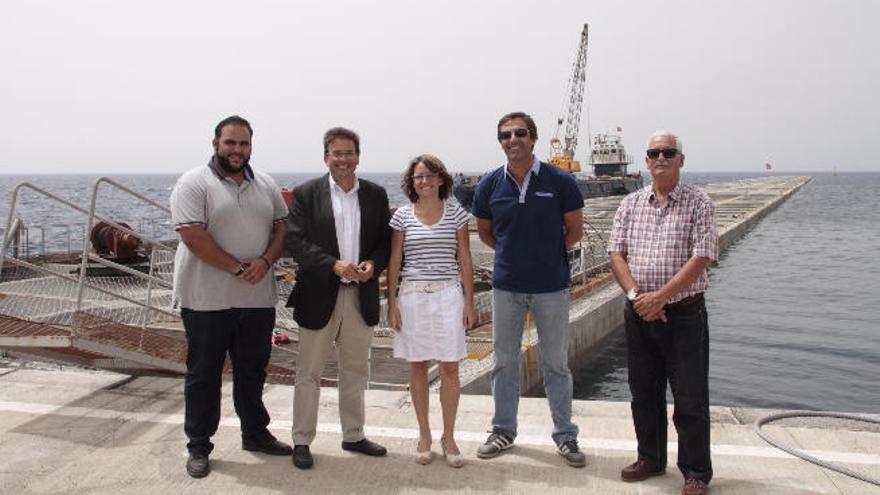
{"x":231,"y":222}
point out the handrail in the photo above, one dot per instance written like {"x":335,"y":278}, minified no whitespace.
{"x":86,"y":255}
{"x":15,"y":232}
{"x":87,"y":245}
{"x":18,"y":187}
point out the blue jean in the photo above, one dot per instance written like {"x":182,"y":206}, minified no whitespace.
{"x":550,"y":311}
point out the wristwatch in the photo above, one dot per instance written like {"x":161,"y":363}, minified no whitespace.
{"x":241,"y":268}
{"x":631,"y":294}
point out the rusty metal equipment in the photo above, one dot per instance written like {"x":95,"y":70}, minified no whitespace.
{"x":113,"y":243}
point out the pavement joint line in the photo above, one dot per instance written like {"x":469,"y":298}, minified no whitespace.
{"x":411,"y":433}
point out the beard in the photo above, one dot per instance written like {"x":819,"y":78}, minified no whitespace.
{"x":227,"y":167}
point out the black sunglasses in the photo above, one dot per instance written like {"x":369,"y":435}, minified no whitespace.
{"x":667,"y":153}
{"x":505,"y":135}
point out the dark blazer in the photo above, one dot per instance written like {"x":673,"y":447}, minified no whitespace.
{"x":311,"y":240}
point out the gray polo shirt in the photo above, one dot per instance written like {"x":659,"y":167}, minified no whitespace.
{"x":240,"y":218}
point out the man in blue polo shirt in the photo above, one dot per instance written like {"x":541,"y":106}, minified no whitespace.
{"x":530,"y":212}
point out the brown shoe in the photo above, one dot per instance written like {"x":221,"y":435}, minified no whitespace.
{"x":640,"y":470}
{"x":694,"y":487}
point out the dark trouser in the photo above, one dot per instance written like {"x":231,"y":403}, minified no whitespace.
{"x":246,"y":333}
{"x":677,"y":351}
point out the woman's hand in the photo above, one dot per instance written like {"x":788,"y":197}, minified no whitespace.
{"x":470,"y":315}
{"x":393,"y":316}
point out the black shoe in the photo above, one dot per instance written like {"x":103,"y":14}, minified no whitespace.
{"x":302,"y":457}
{"x":497,"y":442}
{"x":270,"y":446}
{"x":198,"y":465}
{"x":365,"y":447}
{"x":571,"y":453}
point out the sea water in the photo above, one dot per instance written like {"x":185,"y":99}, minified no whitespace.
{"x":793,"y":308}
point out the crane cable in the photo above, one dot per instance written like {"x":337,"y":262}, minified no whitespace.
{"x":566,"y":98}
{"x":760,"y":422}
{"x":563,"y":106}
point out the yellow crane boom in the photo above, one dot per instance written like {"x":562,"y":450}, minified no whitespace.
{"x":562,"y":150}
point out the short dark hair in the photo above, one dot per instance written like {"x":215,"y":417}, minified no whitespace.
{"x":343,"y":133}
{"x":530,"y":123}
{"x":434,"y":165}
{"x":232,"y":120}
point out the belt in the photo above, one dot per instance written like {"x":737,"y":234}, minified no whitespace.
{"x":348,"y":284}
{"x":685,"y":302}
{"x":412,"y":286}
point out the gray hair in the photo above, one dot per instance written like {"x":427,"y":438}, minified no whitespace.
{"x":662,"y":133}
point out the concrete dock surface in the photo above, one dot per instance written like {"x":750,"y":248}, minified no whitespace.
{"x":101,"y":432}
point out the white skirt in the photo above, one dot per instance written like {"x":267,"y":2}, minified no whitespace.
{"x":431,"y":322}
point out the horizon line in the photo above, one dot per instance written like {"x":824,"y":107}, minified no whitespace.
{"x":761,"y":172}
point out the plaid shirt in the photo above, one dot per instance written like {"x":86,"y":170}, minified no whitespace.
{"x":657,"y":242}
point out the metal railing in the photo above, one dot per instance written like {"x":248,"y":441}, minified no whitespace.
{"x":154,"y":245}
{"x":138,"y":288}
{"x":81,"y":281}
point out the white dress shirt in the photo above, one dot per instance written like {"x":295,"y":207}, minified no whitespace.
{"x":347,"y":216}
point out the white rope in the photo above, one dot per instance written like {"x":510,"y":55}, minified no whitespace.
{"x":798,"y":453}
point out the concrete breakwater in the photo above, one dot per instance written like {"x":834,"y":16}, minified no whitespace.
{"x":594,"y":316}
{"x":124,"y":323}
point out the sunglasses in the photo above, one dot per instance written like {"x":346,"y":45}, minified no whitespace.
{"x":505,"y":135}
{"x":667,"y":153}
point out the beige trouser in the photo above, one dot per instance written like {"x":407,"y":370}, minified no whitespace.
{"x":352,"y":338}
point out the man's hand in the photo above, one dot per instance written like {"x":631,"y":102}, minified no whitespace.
{"x":660,"y":315}
{"x":256,"y":270}
{"x":346,"y":269}
{"x":649,"y":306}
{"x":365,"y":270}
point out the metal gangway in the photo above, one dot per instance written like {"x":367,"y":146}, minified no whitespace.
{"x":75,"y":306}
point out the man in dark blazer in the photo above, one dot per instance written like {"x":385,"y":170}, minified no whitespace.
{"x":339,"y":236}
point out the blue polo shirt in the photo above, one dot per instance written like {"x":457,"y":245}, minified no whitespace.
{"x":530,"y":254}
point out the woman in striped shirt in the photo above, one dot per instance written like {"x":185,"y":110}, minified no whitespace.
{"x":430,"y":252}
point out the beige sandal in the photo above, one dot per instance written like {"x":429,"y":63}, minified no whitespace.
{"x":453,"y":460}
{"x":424,"y":457}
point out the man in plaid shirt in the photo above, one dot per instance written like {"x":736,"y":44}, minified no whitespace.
{"x":662,"y":242}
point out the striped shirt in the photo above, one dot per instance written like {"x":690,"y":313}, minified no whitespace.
{"x":659,"y":241}
{"x":429,"y":250}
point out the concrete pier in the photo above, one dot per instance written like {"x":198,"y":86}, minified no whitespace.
{"x":101,"y":432}
{"x":740,"y":205}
